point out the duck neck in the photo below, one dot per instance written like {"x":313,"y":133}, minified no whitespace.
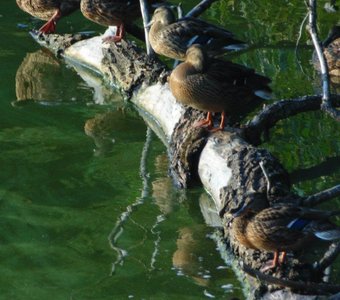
{"x":239,"y":230}
{"x":198,"y":61}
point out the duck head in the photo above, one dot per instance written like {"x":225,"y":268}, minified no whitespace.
{"x":197,"y":57}
{"x":162,"y":16}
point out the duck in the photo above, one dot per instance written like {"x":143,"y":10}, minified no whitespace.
{"x":213,"y":85}
{"x":281,"y":228}
{"x":112,"y":13}
{"x":172,"y":38}
{"x":50,"y":10}
{"x":332,"y":51}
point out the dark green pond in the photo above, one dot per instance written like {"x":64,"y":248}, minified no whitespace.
{"x":95,"y":216}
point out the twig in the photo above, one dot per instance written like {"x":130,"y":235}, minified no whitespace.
{"x":283,"y":109}
{"x":297,"y":44}
{"x":200,"y":8}
{"x":329,"y":257}
{"x":326,"y":101}
{"x":327,"y":166}
{"x":322,"y":196}
{"x":179,"y":11}
{"x":267,"y":177}
{"x":309,"y":287}
{"x":146,"y":19}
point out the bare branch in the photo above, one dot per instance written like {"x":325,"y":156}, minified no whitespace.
{"x":283,"y":109}
{"x":326,"y":167}
{"x":179,"y":11}
{"x":146,"y":19}
{"x":322,"y":196}
{"x":307,"y":287}
{"x":329,"y":257}
{"x":326,"y":102}
{"x":267,"y":177}
{"x":200,"y":8}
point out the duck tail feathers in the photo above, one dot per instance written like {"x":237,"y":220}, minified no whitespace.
{"x":264,"y":94}
{"x":328,"y":235}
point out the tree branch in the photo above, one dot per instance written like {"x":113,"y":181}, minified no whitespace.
{"x":146,"y":19}
{"x":323,"y":196}
{"x":200,"y":8}
{"x":329,"y":257}
{"x":326,"y":102}
{"x":326,"y":167}
{"x":307,"y":287}
{"x":277,"y":111}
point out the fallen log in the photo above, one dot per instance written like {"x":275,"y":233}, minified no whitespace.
{"x":229,"y":167}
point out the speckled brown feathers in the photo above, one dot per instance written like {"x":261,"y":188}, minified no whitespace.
{"x":215,"y":85}
{"x":172,"y":38}
{"x":274,"y":229}
{"x":332,"y":51}
{"x":110,"y":12}
{"x":45,"y":9}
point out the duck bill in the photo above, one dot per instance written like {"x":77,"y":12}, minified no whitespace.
{"x":148,"y":25}
{"x":240,"y":211}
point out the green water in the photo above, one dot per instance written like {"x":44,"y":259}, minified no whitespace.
{"x":79,"y":218}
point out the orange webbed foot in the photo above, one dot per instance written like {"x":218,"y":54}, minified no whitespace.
{"x":271,"y":264}
{"x":117,"y":37}
{"x":114,"y":39}
{"x":207,"y":123}
{"x":50,"y":25}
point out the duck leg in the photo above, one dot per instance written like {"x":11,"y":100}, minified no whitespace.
{"x":50,"y":25}
{"x":118,"y":36}
{"x":206,"y":122}
{"x":271,"y":264}
{"x":222,"y":123}
{"x":282,"y":257}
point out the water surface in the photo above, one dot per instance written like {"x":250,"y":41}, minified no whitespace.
{"x":87,"y":208}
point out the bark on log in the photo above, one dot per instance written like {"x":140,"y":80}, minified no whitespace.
{"x":227,"y":165}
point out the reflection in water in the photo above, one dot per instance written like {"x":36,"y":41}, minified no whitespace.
{"x":102,"y":93}
{"x":209,"y":211}
{"x":41,"y":77}
{"x":100,"y":129}
{"x":186,"y":257}
{"x":162,"y":187}
{"x":37,"y":78}
{"x":118,"y":229}
{"x":105,"y":127}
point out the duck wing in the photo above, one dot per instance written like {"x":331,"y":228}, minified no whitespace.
{"x":188,"y":31}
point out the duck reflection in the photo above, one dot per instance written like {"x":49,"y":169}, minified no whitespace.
{"x":100,"y":129}
{"x":38,"y":77}
{"x":186,"y":258}
{"x":162,"y":187}
{"x":120,"y":123}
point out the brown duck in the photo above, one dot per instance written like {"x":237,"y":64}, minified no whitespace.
{"x":49,"y":10}
{"x":282,"y":228}
{"x":216,"y":86}
{"x":112,"y":13}
{"x":332,"y":52}
{"x":172,"y":38}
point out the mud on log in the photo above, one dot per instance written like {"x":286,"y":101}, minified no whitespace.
{"x":229,"y":167}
